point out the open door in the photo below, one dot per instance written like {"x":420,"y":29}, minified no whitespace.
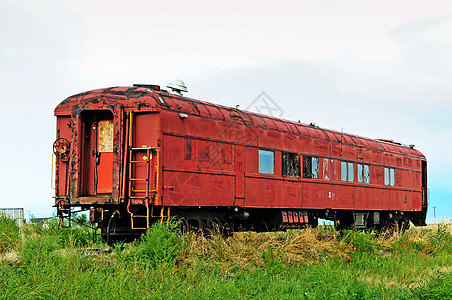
{"x":104,"y":157}
{"x":97,"y":153}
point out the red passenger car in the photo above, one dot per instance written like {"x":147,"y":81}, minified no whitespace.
{"x":134,"y":155}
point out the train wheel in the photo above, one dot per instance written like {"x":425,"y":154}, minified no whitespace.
{"x":226,"y":229}
{"x":344,"y":221}
{"x":183,"y":225}
{"x":114,"y":230}
{"x":313,"y":220}
{"x":404,"y":224}
{"x":343,"y":224}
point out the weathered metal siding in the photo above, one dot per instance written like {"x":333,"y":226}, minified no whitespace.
{"x":198,"y":161}
{"x":64,"y":131}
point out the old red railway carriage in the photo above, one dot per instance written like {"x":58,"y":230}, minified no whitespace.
{"x":134,"y":155}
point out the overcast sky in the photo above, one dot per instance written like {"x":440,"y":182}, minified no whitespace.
{"x":380,"y":69}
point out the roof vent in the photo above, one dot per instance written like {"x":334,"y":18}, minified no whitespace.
{"x":177,"y":87}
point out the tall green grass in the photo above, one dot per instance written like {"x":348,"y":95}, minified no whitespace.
{"x":9,"y":234}
{"x":51,"y":262}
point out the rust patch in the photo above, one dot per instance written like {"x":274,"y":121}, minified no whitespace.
{"x":94,"y":200}
{"x":132,"y":92}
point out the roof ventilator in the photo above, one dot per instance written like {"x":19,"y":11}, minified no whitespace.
{"x":177,"y":86}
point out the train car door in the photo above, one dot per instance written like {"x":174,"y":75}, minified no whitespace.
{"x":96,"y":153}
{"x":144,"y":158}
{"x":104,"y":157}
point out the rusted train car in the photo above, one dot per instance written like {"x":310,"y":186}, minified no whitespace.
{"x":134,"y":155}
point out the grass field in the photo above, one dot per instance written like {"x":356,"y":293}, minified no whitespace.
{"x":51,"y":262}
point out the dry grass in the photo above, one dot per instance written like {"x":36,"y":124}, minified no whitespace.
{"x":9,"y":257}
{"x":250,"y":249}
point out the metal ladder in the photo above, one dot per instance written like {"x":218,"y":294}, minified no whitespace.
{"x":64,"y":212}
{"x":139,"y":199}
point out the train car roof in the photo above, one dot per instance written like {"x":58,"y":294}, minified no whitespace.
{"x":151,"y":97}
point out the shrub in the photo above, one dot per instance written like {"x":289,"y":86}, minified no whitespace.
{"x":38,"y":250}
{"x":361,"y":241}
{"x":160,"y":245}
{"x":9,"y":234}
{"x":273,"y":262}
{"x":76,"y":235}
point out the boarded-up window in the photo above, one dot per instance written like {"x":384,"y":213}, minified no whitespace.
{"x":326,"y":165}
{"x":105,"y":136}
{"x":291,"y":165}
{"x":188,"y":149}
{"x":226,"y":153}
{"x":203,"y":150}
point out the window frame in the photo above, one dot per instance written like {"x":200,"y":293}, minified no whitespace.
{"x":389,"y":176}
{"x":316,"y":171}
{"x":386,"y":176}
{"x":290,"y":164}
{"x":311,"y":165}
{"x":261,"y":167}
{"x":363,"y":171}
{"x":366,"y":172}
{"x":360,"y":171}
{"x":347,"y":171}
{"x":344,"y":171}
{"x":350,"y":171}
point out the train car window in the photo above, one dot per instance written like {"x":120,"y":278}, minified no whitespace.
{"x":334,"y":173}
{"x":307,"y":167}
{"x":350,"y":171}
{"x":366,"y":174}
{"x":326,"y":167}
{"x":310,"y":167}
{"x":291,"y":164}
{"x":105,"y":136}
{"x":266,"y":162}
{"x":386,"y":176}
{"x":343,"y":171}
{"x":360,"y":172}
{"x":315,"y":167}
{"x":392,"y":177}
